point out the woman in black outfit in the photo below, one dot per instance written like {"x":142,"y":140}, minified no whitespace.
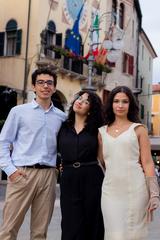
{"x":82,"y":176}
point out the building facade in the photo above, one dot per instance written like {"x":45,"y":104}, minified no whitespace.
{"x":22,"y":40}
{"x":146,"y":57}
{"x":156,"y":109}
{"x":35,"y":32}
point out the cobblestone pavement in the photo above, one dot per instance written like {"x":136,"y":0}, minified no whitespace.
{"x":54,"y":232}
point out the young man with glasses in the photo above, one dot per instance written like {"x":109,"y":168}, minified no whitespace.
{"x":31,"y":129}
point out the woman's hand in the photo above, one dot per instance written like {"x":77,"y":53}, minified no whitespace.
{"x":154,"y":200}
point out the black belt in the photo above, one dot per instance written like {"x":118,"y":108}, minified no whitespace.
{"x":80,"y":164}
{"x":37,"y":166}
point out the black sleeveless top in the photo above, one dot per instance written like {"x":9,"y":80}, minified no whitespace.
{"x":73,"y":147}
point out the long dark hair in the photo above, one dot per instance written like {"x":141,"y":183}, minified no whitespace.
{"x":95,"y":118}
{"x":133,"y":112}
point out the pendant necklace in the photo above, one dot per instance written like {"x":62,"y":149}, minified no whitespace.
{"x":116,"y":130}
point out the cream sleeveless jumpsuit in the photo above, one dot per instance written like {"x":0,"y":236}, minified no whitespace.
{"x":124,"y":191}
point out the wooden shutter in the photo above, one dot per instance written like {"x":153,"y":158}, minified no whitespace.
{"x":130,"y":65}
{"x":19,"y":42}
{"x":124,"y":62}
{"x":2,"y":43}
{"x":58,"y":44}
{"x":142,"y":111}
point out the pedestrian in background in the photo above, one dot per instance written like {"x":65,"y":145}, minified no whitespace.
{"x":32,"y":130}
{"x":81,"y":179}
{"x":130,"y":191}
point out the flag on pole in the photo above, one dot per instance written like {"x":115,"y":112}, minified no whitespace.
{"x":95,"y":36}
{"x":73,"y":38}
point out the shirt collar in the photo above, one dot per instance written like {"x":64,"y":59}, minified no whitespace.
{"x":36,"y":105}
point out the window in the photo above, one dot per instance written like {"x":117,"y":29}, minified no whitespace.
{"x":121,"y":16}
{"x":150,"y":64}
{"x":10,"y":40}
{"x":149,"y":90}
{"x":11,"y":43}
{"x":58,"y":44}
{"x":142,"y":52}
{"x":2,"y":35}
{"x":141,"y":82}
{"x":132,"y":28}
{"x":128,"y":63}
{"x":142,"y":111}
{"x":50,"y":38}
{"x":13,"y":38}
{"x":73,"y":64}
{"x":114,"y":10}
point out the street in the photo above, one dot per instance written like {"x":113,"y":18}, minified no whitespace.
{"x":54,"y":232}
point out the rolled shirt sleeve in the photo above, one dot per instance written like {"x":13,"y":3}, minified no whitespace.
{"x":32,"y":131}
{"x":7,"y":137}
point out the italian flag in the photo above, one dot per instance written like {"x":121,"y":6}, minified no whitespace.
{"x":95,"y":36}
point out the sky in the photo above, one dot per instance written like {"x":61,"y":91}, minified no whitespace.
{"x":151,"y":25}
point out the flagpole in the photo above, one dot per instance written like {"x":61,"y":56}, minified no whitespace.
{"x":91,"y":57}
{"x":89,"y":85}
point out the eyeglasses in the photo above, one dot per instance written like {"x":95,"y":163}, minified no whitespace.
{"x":42,"y":82}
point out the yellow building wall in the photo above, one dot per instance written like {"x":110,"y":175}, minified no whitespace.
{"x":156,"y":114}
{"x":12,"y":69}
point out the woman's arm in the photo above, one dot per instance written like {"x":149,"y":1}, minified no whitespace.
{"x":145,"y":151}
{"x":100,"y":152}
{"x":148,"y":167}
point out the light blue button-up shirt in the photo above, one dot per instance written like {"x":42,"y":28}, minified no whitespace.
{"x":32,"y":131}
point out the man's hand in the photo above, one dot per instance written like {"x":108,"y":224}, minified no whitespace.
{"x":17,"y":173}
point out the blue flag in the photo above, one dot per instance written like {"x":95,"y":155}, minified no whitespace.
{"x":73,"y":38}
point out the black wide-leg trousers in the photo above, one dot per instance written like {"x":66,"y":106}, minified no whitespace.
{"x":81,"y":203}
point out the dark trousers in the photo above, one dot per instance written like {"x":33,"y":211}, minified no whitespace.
{"x":81,"y":203}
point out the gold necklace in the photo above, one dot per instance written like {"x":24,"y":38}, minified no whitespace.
{"x":119,"y":129}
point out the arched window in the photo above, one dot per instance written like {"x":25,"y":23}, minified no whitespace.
{"x":51,"y":31}
{"x":11,"y":25}
{"x":50,"y":38}
{"x":121,"y":16}
{"x":114,"y":11}
{"x":13,"y":38}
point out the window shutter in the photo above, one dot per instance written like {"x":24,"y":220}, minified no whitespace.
{"x":142,"y":111}
{"x":19,"y":42}
{"x":58,"y":44}
{"x":130,"y":66}
{"x":124,"y":62}
{"x":2,"y":43}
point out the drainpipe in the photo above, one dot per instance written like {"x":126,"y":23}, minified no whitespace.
{"x":26,"y":55}
{"x":137,"y":60}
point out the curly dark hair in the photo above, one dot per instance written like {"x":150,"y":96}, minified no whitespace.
{"x":95,"y":119}
{"x":133,"y":112}
{"x":44,"y":70}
